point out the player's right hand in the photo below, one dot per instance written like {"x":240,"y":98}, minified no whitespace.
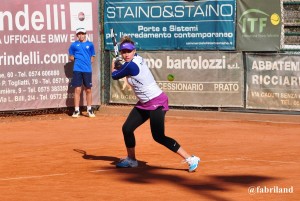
{"x":118,"y":63}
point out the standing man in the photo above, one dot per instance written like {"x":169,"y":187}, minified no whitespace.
{"x":82,"y":52}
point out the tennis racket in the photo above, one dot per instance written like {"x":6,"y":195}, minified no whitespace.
{"x":114,"y":40}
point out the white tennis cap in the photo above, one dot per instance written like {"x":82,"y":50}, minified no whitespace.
{"x":80,"y":30}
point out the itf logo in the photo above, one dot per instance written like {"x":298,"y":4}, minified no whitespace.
{"x":81,"y":15}
{"x":255,"y":21}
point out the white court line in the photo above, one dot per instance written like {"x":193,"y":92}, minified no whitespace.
{"x":105,"y":170}
{"x":225,"y":119}
{"x":246,"y":159}
{"x":101,"y":170}
{"x":33,"y":177}
{"x":47,"y":175}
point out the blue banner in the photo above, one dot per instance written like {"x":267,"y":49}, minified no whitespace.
{"x":172,"y":25}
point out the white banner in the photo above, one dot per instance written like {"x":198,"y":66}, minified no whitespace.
{"x":192,"y":78}
{"x":273,"y":81}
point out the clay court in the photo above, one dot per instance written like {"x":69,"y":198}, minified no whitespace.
{"x":56,"y":157}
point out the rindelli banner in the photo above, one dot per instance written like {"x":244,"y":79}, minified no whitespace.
{"x":259,"y":25}
{"x":35,"y":38}
{"x":204,"y":79}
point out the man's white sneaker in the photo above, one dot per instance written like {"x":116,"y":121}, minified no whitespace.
{"x":193,"y":162}
{"x":76,"y":114}
{"x":91,"y":113}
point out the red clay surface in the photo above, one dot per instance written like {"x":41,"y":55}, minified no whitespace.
{"x":56,"y":157}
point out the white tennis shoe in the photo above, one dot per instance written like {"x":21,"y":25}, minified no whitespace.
{"x":193,"y":162}
{"x":76,"y":114}
{"x":91,"y":113}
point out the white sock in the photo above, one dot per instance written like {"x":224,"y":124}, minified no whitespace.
{"x":76,"y":108}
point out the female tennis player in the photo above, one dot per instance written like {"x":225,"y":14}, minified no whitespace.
{"x":152,"y":104}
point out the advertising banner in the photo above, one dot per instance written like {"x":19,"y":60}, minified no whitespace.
{"x":204,"y":79}
{"x":273,"y":81}
{"x":172,"y":25}
{"x":35,"y":38}
{"x":259,"y":25}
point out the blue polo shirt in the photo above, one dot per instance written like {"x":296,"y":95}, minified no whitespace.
{"x":82,"y":52}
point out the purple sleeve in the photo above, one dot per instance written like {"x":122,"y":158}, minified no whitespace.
{"x":128,"y":68}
